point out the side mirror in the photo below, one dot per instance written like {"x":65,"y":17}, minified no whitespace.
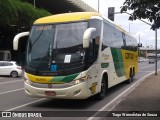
{"x":139,"y":44}
{"x":16,"y":39}
{"x":87,"y":37}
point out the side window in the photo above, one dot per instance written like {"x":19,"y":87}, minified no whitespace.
{"x":117,"y":38}
{"x":10,"y":64}
{"x":1,"y":64}
{"x":131,"y":43}
{"x":5,"y":64}
{"x":107,"y":35}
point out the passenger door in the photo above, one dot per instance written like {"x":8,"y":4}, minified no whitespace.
{"x":6,"y":68}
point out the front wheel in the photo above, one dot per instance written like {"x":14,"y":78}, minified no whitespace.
{"x":102,"y":93}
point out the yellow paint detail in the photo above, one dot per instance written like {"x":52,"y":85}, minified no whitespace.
{"x":38,"y":79}
{"x":93,"y":88}
{"x":66,"y":17}
{"x":130,"y":59}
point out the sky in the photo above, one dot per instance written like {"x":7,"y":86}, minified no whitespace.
{"x":138,"y":29}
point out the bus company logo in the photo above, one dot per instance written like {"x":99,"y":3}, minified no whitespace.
{"x":20,"y":114}
{"x":106,"y":57}
{"x":40,"y":79}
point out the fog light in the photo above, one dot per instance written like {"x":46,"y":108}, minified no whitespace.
{"x":76,"y":92}
{"x":28,"y":81}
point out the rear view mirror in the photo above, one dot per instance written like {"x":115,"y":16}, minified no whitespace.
{"x":16,"y":39}
{"x":87,"y":37}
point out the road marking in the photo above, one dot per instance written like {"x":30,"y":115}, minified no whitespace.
{"x":25,"y":104}
{"x":10,"y":82}
{"x":11,"y":91}
{"x":127,"y":91}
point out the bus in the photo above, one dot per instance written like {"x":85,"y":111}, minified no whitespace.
{"x":77,"y":55}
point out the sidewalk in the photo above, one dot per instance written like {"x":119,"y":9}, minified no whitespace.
{"x":145,"y":98}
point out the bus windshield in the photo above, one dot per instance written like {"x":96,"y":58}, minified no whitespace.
{"x":58,"y":45}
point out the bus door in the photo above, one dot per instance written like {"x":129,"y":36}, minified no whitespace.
{"x":92,"y":61}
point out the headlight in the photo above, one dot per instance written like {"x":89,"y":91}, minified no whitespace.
{"x":27,"y":81}
{"x":80,"y":80}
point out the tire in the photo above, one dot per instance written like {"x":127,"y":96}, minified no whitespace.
{"x":130,"y":78}
{"x":14,"y":74}
{"x":102,"y":93}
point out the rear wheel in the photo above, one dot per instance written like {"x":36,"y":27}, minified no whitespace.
{"x":102,"y":93}
{"x":131,"y":75}
{"x":14,"y":74}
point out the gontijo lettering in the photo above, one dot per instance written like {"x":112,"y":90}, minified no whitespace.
{"x":129,"y":56}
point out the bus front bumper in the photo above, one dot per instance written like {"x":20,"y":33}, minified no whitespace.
{"x":79,"y":91}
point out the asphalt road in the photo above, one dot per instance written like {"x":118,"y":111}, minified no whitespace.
{"x":12,"y":98}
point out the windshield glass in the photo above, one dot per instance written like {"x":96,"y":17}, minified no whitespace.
{"x":55,"y":45}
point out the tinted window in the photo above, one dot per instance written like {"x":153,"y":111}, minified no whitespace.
{"x":107,"y":35}
{"x":117,"y":38}
{"x":131,"y":43}
{"x":96,"y":24}
{"x":1,"y":64}
{"x":8,"y":64}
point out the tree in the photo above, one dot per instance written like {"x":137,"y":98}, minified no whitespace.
{"x":18,"y":12}
{"x":144,"y":9}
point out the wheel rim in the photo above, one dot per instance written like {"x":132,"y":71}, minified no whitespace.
{"x":14,"y":74}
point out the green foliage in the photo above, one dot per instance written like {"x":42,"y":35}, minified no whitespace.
{"x":16,"y":12}
{"x":144,"y":9}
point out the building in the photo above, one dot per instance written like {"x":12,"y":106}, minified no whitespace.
{"x":150,"y":52}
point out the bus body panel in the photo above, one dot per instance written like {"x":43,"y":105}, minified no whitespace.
{"x":115,"y":62}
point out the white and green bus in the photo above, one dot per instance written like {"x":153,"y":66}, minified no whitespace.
{"x":77,"y":55}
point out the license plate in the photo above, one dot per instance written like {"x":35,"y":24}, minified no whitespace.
{"x":50,"y":93}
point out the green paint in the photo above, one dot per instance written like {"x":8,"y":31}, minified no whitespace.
{"x":64,"y":79}
{"x":104,"y":65}
{"x":118,"y":61}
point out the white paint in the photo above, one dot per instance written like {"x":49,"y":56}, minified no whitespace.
{"x":11,"y":91}
{"x":25,"y":104}
{"x":10,"y":82}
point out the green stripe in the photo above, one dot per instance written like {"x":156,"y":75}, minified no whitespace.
{"x":64,"y":79}
{"x":118,"y":61}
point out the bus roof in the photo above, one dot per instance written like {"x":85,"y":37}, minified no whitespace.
{"x":66,"y":17}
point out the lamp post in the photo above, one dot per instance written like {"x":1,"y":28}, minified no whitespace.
{"x":156,"y":50}
{"x":98,"y":5}
{"x":139,"y":47}
{"x":129,"y":27}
